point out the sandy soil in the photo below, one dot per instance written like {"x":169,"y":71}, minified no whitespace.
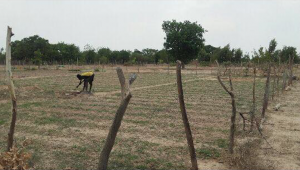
{"x":284,"y":126}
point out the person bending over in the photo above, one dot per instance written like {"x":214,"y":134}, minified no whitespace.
{"x":87,"y":78}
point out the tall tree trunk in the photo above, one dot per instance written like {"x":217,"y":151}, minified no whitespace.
{"x":185,"y":120}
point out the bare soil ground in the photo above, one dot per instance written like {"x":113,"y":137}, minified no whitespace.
{"x":284,"y":129}
{"x":68,"y":130}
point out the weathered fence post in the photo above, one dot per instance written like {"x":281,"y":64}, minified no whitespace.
{"x":253,"y":100}
{"x":284,"y":76}
{"x":274,"y":82}
{"x":110,"y":140}
{"x":266,"y":95}
{"x":187,"y":128}
{"x":291,"y":60}
{"x":233,"y":116}
{"x":11,"y":88}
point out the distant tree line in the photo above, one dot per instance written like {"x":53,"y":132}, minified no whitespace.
{"x":184,"y":41}
{"x":38,"y":50}
{"x":270,"y":54}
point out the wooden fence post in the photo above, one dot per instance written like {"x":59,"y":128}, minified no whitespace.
{"x":253,"y":100}
{"x":266,"y":95}
{"x":11,"y":88}
{"x":233,"y":116}
{"x":291,"y":60}
{"x":110,"y":140}
{"x":185,"y":120}
{"x":274,"y":82}
{"x":284,"y":76}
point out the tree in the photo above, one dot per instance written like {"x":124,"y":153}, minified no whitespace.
{"x":103,"y":54}
{"x":246,"y":58}
{"x":114,"y":56}
{"x":124,"y":56}
{"x":24,"y":49}
{"x":64,"y":53}
{"x":137,"y":56}
{"x":272,"y":46}
{"x":237,"y":58}
{"x":203,"y":55}
{"x":287,"y":52}
{"x":149,"y":55}
{"x":162,"y":56}
{"x":225,"y":54}
{"x":206,"y":53}
{"x":259,"y":55}
{"x":183,"y":39}
{"x":37,"y":59}
{"x":89,"y":54}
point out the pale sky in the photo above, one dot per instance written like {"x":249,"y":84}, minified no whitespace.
{"x":136,"y":24}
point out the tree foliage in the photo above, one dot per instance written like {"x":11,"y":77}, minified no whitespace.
{"x":183,"y":40}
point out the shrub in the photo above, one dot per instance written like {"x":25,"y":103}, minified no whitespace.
{"x":16,"y":158}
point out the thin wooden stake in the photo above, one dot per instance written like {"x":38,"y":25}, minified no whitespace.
{"x":185,"y":120}
{"x":291,"y":71}
{"x":11,"y":88}
{"x":253,"y":100}
{"x":274,"y":82}
{"x":266,"y":95}
{"x":233,"y":116}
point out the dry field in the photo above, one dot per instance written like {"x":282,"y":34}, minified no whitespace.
{"x":69,"y":130}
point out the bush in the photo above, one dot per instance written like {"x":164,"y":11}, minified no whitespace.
{"x":16,"y":158}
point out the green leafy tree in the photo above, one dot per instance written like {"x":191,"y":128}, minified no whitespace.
{"x":287,"y":52}
{"x":272,"y":46}
{"x":237,"y":55}
{"x":114,"y":56}
{"x":225,"y":54}
{"x":163,"y":56}
{"x":183,"y":39}
{"x":124,"y":56}
{"x":149,"y":54}
{"x":206,"y":53}
{"x":103,"y":60}
{"x":246,"y":58}
{"x":37,"y":59}
{"x":89,"y":54}
{"x":136,"y":57}
{"x":24,"y":49}
{"x":103,"y":54}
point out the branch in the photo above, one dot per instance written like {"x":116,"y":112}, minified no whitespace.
{"x":122,"y":82}
{"x":110,"y":140}
{"x":220,"y":81}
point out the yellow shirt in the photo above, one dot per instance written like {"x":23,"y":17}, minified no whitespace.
{"x":88,"y":74}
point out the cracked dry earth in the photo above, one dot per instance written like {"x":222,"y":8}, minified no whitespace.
{"x":284,"y":126}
